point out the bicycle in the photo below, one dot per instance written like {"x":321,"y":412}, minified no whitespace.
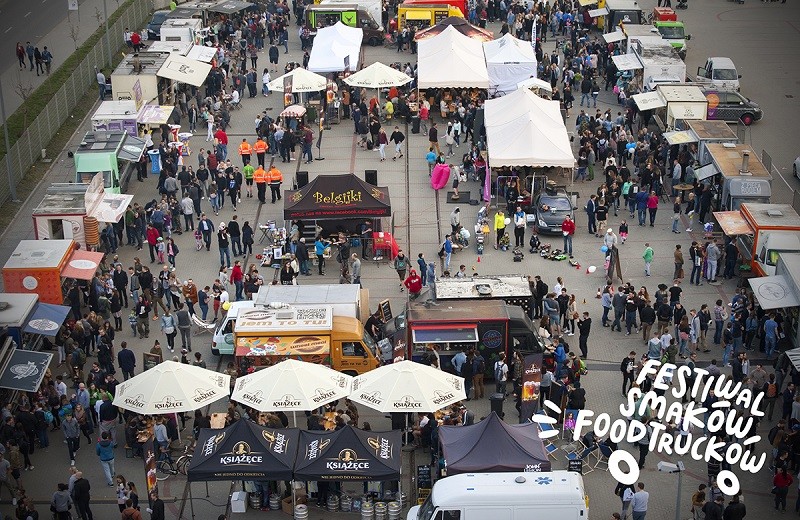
{"x":166,"y":468}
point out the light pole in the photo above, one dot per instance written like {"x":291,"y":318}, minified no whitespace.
{"x":11,"y":187}
{"x":108,"y":36}
{"x":678,"y":468}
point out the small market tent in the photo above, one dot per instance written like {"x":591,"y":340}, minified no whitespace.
{"x":459,"y":24}
{"x":302,"y":81}
{"x":336,"y":48}
{"x":348,"y":454}
{"x":523,"y":129}
{"x":451,"y":59}
{"x":337,"y":196}
{"x":244,"y":451}
{"x":509,"y":61}
{"x":492,"y":445}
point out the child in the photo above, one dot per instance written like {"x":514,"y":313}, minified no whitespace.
{"x":198,"y":239}
{"x":623,"y":230}
{"x":132,"y":321}
{"x":160,"y":250}
{"x":431,"y":158}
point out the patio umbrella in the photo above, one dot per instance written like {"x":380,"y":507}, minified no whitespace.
{"x":302,"y":81}
{"x":293,"y":111}
{"x":407,"y":387}
{"x":291,"y":385}
{"x":171,"y":387}
{"x":377,"y":75}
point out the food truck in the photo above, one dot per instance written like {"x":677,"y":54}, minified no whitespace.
{"x":373,"y":7}
{"x":490,"y":326}
{"x":351,"y":15}
{"x":181,"y":30}
{"x":512,"y":289}
{"x":424,"y":15}
{"x":782,"y":291}
{"x":114,"y":154}
{"x":705,"y":132}
{"x":671,"y":29}
{"x":680,"y":103}
{"x":116,"y":116}
{"x":621,"y":12}
{"x":68,"y":209}
{"x":264,"y":336}
{"x":28,"y":321}
{"x":763,"y":232}
{"x":136,"y":78}
{"x":40,"y":266}
{"x":743,"y":178}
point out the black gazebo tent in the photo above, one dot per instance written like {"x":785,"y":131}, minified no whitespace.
{"x":337,"y":197}
{"x":244,"y":451}
{"x":348,"y":454}
{"x":492,"y":445}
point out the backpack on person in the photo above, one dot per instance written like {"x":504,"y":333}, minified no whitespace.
{"x":498,"y":370}
{"x":772,"y":391}
{"x":481,"y":366}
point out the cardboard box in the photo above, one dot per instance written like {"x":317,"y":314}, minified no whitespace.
{"x":286,"y":503}
{"x":239,"y":502}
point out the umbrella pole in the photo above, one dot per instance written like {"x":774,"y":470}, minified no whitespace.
{"x":294,"y":418}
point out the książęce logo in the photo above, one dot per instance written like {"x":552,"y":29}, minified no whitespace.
{"x":406,"y":402}
{"x":241,"y":454}
{"x":276,"y":440}
{"x":347,"y":460}
{"x":442,"y":397}
{"x":287,"y":401}
{"x":201,"y":394}
{"x":382,"y":447}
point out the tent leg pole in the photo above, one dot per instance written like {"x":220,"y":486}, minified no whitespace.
{"x":207,"y":494}
{"x":294,"y":418}
{"x":191,"y":502}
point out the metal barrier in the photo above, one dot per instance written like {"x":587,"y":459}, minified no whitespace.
{"x":27,"y":150}
{"x":782,"y":191}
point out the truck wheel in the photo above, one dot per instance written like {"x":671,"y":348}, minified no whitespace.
{"x":747,"y":119}
{"x":215,"y":351}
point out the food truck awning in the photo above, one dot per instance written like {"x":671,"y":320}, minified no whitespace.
{"x":704,"y":172}
{"x":445,"y":333}
{"x":679,"y":137}
{"x":82,"y":264}
{"x":132,"y":149}
{"x":25,"y":370}
{"x":47,"y":319}
{"x":649,"y":100}
{"x":596,"y":13}
{"x":626,"y":62}
{"x":774,"y":292}
{"x":733,"y":223}
{"x":614,"y":36}
{"x":202,"y":53}
{"x":230,"y":7}
{"x":794,"y":357}
{"x":185,"y":70}
{"x":686,"y":111}
{"x":111,"y":207}
{"x":155,"y":114}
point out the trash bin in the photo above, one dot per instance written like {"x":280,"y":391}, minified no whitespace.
{"x":496,"y":403}
{"x":155,"y":161}
{"x":415,"y":121}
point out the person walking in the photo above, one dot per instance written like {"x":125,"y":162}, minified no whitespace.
{"x":72,"y":435}
{"x":61,"y":503}
{"x":781,"y":483}
{"x":397,"y":138}
{"x":274,"y":180}
{"x":355,"y":269}
{"x":677,"y":276}
{"x":639,"y":502}
{"x":501,"y":374}
{"x":169,"y":329}
{"x":652,"y":207}
{"x":584,"y":327}
{"x":625,"y":493}
{"x":156,"y":508}
{"x":127,"y":361}
{"x":647,"y":256}
{"x":81,"y":496}
{"x":105,"y":452}
{"x":400,"y":264}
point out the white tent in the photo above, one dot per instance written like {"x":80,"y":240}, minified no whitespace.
{"x":509,"y":61}
{"x":302,"y":81}
{"x":451,"y":59}
{"x":523,"y":129}
{"x":333,"y":45}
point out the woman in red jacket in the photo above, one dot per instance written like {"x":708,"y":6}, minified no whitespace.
{"x":652,"y":207}
{"x":413,"y":283}
{"x":782,"y":481}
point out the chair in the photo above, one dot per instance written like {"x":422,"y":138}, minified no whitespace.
{"x":587,"y":468}
{"x":602,"y":456}
{"x":568,"y":427}
{"x":202,"y":326}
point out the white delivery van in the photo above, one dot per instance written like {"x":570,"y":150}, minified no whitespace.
{"x":505,"y":496}
{"x":719,"y":73}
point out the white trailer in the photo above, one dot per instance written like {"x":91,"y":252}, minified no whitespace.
{"x":181,"y":30}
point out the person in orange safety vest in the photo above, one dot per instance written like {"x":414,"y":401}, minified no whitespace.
{"x":260,"y":177}
{"x":260,"y":148}
{"x":245,"y":151}
{"x":275,"y":179}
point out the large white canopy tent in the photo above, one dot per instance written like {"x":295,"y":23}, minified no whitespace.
{"x":451,"y":59}
{"x":523,"y":129}
{"x":332,"y":45}
{"x":509,"y":61}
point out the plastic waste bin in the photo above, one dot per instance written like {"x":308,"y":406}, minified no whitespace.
{"x":496,"y":403}
{"x":415,"y":122}
{"x":155,"y":161}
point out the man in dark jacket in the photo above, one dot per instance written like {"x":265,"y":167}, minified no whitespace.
{"x":127,"y":361}
{"x":108,"y":418}
{"x":584,"y":327}
{"x":302,"y":257}
{"x":28,"y":422}
{"x":120,"y":279}
{"x":156,"y":509}
{"x":81,"y":496}
{"x":736,"y":510}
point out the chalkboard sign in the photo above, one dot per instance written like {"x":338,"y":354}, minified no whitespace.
{"x":424,"y":483}
{"x":575,"y":465}
{"x":150,"y":360}
{"x":385,"y":311}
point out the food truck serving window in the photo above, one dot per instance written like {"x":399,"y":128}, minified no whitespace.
{"x":445,"y":334}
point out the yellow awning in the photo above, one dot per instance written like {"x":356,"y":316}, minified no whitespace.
{"x":414,"y":14}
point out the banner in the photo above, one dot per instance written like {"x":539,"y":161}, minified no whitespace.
{"x":287,"y":91}
{"x":151,"y":482}
{"x":25,"y":370}
{"x":531,"y":379}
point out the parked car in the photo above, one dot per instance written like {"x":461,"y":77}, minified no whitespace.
{"x":731,"y":106}
{"x":796,"y":168}
{"x":154,"y":27}
{"x":549,"y":208}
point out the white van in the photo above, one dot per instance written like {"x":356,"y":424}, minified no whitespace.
{"x":505,"y":496}
{"x":223,"y":334}
{"x":719,"y":73}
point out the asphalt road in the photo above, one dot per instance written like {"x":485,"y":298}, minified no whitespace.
{"x":761,"y":39}
{"x":29,"y":20}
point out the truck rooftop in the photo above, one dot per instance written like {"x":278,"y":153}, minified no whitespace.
{"x":483,"y":287}
{"x":728,"y":158}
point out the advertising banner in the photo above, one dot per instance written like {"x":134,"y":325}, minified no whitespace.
{"x":531,"y":379}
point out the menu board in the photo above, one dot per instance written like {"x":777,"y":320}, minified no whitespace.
{"x":385,"y":311}
{"x":424,"y":483}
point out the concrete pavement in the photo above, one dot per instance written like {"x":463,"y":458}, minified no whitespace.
{"x":416,"y":217}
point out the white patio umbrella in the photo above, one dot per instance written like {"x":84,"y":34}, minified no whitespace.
{"x":377,"y":75}
{"x":407,"y":387}
{"x":291,"y":385}
{"x":302,"y":81}
{"x":171,"y":387}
